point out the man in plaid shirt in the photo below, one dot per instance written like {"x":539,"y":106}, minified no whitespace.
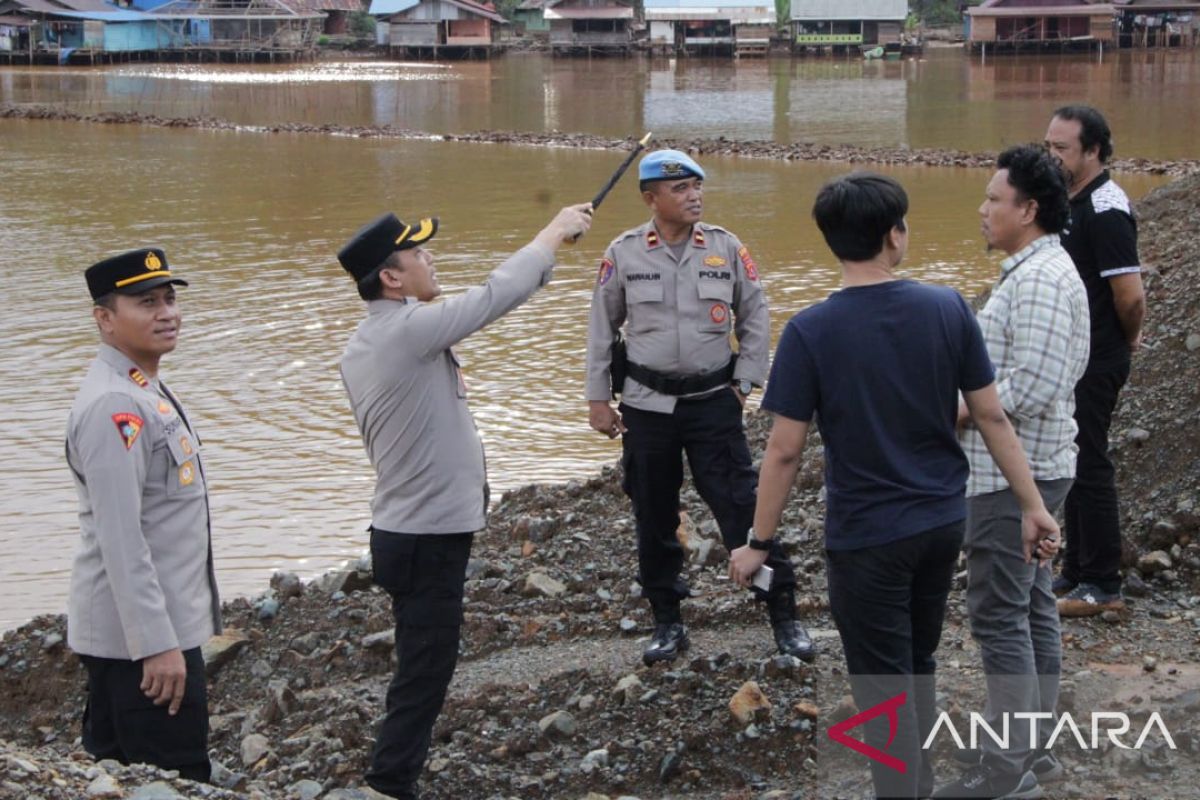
{"x":1037,"y":330}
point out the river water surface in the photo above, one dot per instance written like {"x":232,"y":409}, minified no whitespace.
{"x":254,"y":220}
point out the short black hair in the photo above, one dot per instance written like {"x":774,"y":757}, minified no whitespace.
{"x":857,"y":211}
{"x":1037,"y":176}
{"x":371,"y":287}
{"x":1094,"y":130}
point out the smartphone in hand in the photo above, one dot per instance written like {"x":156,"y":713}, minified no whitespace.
{"x":763,"y":577}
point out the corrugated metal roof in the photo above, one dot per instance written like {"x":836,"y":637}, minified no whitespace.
{"x":563,"y":11}
{"x":385,"y":7}
{"x":849,"y":9}
{"x":116,"y":15}
{"x":688,"y":5}
{"x":1098,"y":10}
{"x":324,"y":5}
{"x":740,"y":13}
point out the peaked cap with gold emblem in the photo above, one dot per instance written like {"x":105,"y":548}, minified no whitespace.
{"x":134,"y":272}
{"x":378,"y":239}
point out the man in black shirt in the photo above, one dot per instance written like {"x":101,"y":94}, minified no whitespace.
{"x":1101,"y":239}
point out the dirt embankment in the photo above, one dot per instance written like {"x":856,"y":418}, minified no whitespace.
{"x":800,"y":151}
{"x":550,"y":699}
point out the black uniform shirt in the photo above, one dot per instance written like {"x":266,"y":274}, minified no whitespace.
{"x":1101,"y":239}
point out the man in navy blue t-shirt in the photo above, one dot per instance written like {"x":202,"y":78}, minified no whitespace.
{"x":881,"y":364}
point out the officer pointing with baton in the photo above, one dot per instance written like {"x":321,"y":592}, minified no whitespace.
{"x":410,"y":402}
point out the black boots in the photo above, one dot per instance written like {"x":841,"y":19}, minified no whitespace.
{"x":669,"y":640}
{"x":790,"y":636}
{"x":793,"y":640}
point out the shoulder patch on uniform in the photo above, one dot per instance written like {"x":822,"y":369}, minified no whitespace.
{"x":129,"y":426}
{"x":748,"y":263}
{"x":606,"y":272}
{"x":1109,"y":197}
{"x":137,"y":377}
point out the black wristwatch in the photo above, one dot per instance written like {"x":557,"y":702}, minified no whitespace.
{"x":758,"y":544}
{"x":745,"y":387}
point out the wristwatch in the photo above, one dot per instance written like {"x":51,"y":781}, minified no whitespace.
{"x":755,"y":543}
{"x":745,"y":387}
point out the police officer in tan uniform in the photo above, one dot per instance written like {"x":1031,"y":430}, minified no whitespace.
{"x":679,"y":287}
{"x":410,"y":401}
{"x":143,"y":591}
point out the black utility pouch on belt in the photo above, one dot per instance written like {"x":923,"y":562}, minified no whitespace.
{"x":619,"y":365}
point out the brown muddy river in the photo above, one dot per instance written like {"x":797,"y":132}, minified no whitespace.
{"x":254,"y":220}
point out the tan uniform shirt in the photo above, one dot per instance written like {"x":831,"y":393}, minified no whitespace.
{"x":410,"y":401}
{"x":143,"y":581}
{"x":677,"y":314}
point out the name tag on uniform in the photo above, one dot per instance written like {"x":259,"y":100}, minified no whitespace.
{"x":181,"y":444}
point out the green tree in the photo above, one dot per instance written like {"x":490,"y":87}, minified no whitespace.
{"x":783,"y":13}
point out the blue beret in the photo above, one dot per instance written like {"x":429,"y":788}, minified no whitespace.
{"x":665,"y":165}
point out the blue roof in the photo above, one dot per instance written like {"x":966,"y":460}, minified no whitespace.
{"x":147,"y":5}
{"x":116,"y":15}
{"x":385,"y":7}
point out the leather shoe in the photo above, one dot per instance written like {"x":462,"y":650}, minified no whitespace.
{"x":793,"y":640}
{"x":669,"y":640}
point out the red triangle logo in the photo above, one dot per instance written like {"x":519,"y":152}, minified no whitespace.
{"x":838,"y":732}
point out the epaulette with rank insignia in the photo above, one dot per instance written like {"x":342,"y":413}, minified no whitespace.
{"x":698,"y":237}
{"x":652,"y":238}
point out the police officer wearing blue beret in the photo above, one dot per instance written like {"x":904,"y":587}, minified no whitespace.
{"x":431,"y":494}
{"x":143,"y":592}
{"x":677,"y":288}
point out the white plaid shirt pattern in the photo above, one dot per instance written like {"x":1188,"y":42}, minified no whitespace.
{"x":1038,"y":331}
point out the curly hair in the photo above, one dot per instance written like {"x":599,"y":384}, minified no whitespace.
{"x":1037,"y":176}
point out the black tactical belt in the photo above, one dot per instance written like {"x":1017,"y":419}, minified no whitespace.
{"x":679,"y":385}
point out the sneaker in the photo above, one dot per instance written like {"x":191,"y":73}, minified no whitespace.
{"x":793,"y":640}
{"x":1047,"y":768}
{"x":1088,"y":600}
{"x":1061,"y":585}
{"x":669,"y":640}
{"x":985,"y":782}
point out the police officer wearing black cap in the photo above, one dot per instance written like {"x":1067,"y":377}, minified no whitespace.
{"x":678,"y":288}
{"x":410,"y":401}
{"x":143,"y":593}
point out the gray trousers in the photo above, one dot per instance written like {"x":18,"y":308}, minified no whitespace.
{"x":1014,"y":618}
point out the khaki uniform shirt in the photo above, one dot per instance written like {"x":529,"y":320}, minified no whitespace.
{"x":677,"y":314}
{"x":143,"y":581}
{"x":410,"y":401}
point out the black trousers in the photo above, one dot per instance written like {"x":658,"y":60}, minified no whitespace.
{"x":709,"y":430}
{"x":888,"y":603}
{"x":121,"y":723}
{"x":424,"y":574}
{"x":1093,"y":517}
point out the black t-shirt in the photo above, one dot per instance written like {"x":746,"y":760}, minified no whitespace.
{"x":881,"y":366}
{"x":1101,"y":238}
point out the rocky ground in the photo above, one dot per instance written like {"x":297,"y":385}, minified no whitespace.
{"x":551,"y":700}
{"x":796,"y":151}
